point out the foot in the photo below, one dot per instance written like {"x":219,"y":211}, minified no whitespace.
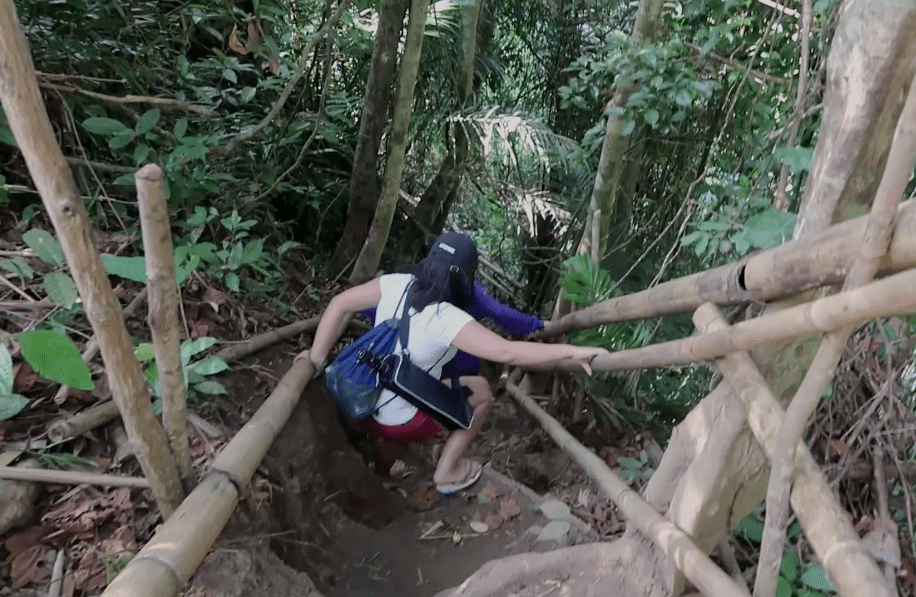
{"x":467,"y":473}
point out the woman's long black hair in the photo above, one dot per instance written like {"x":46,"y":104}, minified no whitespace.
{"x":439,"y":282}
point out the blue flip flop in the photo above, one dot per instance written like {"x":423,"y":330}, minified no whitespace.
{"x":453,"y":489}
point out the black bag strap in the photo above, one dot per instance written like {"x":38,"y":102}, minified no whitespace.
{"x":404,"y":336}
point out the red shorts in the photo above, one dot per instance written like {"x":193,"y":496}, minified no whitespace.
{"x":420,"y":429}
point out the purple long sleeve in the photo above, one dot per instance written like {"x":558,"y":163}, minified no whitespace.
{"x":487,"y":307}
{"x":514,"y":322}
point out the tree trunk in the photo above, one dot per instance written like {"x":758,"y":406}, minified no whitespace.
{"x":371,"y":253}
{"x":29,"y":122}
{"x":436,"y":201}
{"x":614,"y":148}
{"x":377,"y":99}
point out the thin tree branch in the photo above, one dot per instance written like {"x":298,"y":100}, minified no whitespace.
{"x":288,"y":90}
{"x":875,"y":245}
{"x":169,"y":104}
{"x":782,"y":202}
{"x":100,"y":166}
{"x":737,"y":66}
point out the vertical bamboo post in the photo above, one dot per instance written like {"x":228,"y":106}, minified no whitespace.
{"x":163,"y":310}
{"x":31,"y":127}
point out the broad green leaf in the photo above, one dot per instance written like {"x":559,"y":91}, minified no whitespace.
{"x":651,"y":117}
{"x":210,"y":387}
{"x":181,"y":127}
{"x":211,"y":366}
{"x":627,"y":126}
{"x":789,"y":566}
{"x":797,"y":158}
{"x":683,"y":98}
{"x":783,"y":588}
{"x":822,"y":6}
{"x":699,"y":249}
{"x":752,"y":528}
{"x":145,"y":352}
{"x":232,"y":281}
{"x":55,"y":357}
{"x":691,"y":238}
{"x":45,"y":246}
{"x":229,"y":75}
{"x":129,"y":268}
{"x":146,"y":123}
{"x":252,"y":251}
{"x":6,"y":135}
{"x":18,"y":267}
{"x":290,"y":244}
{"x":141,"y":152}
{"x":248,"y":94}
{"x":125,"y":180}
{"x":816,"y":578}
{"x":555,"y":510}
{"x":6,"y":370}
{"x":120,"y":141}
{"x":61,"y":289}
{"x":554,"y":530}
{"x":630,"y":463}
{"x":770,"y":229}
{"x":105,"y":126}
{"x":11,"y":405}
{"x":189,"y":348}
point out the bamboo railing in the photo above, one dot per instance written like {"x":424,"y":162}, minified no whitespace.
{"x":166,"y":563}
{"x":822,"y":258}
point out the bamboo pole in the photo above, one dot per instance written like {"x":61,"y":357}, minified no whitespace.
{"x":162,"y":314}
{"x":874,"y":244}
{"x":92,"y":347}
{"x":816,"y":260}
{"x":891,"y":296}
{"x":688,"y":558}
{"x":69,"y":477}
{"x":826,"y":524}
{"x":165,"y":564}
{"x":31,"y":127}
{"x":261,"y":341}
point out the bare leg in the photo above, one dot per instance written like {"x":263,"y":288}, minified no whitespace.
{"x":450,"y":469}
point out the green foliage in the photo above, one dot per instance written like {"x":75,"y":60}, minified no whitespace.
{"x":584,"y":283}
{"x":637,"y":469}
{"x":10,"y":404}
{"x":55,"y":357}
{"x":45,"y":246}
{"x":194,"y":374}
{"x":812,"y":582}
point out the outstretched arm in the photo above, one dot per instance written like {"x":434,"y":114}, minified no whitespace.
{"x":481,"y":342}
{"x":338,"y":313}
{"x":514,"y":322}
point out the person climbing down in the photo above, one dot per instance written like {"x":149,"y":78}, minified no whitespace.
{"x":483,"y":307}
{"x":441,"y":289}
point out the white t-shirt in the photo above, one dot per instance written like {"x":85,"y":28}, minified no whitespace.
{"x":431,"y":333}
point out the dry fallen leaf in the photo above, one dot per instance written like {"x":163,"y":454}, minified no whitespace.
{"x":273,"y":63}
{"x":478,"y":527}
{"x":494,"y":521}
{"x":492,"y":491}
{"x":882,"y":542}
{"x":837,"y":449}
{"x":28,"y":567}
{"x":422,"y":498}
{"x":509,"y":509}
{"x":214,"y":298}
{"x":236,"y":45}
{"x":582,"y":498}
{"x":254,"y":33}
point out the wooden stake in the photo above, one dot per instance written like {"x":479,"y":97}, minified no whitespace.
{"x":688,"y":558}
{"x":31,"y":127}
{"x":826,"y":524}
{"x":165,"y":564}
{"x":69,"y":477}
{"x":163,"y":310}
{"x":820,"y":259}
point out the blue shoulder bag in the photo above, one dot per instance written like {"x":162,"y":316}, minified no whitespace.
{"x":353,"y":384}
